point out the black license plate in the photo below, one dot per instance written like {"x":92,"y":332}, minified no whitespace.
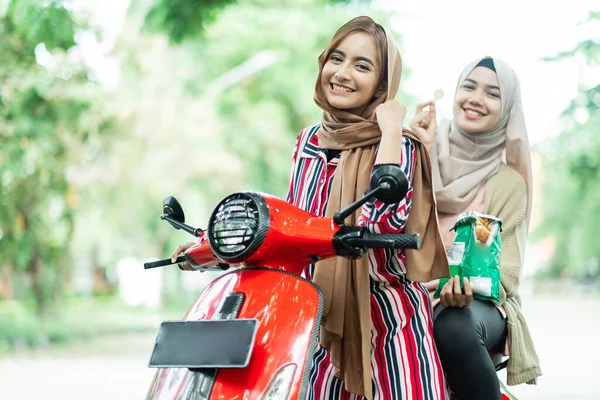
{"x":225,"y":343}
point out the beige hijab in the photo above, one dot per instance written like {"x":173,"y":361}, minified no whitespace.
{"x":346,"y":323}
{"x":461,"y":162}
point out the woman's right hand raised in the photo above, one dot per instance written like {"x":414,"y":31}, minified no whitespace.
{"x":424,"y":123}
{"x":179,"y":251}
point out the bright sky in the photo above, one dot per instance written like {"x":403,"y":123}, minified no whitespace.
{"x":441,"y":36}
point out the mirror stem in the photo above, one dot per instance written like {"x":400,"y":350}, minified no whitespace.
{"x":189,"y":229}
{"x":339,"y":217}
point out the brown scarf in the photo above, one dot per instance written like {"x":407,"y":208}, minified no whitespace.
{"x":346,"y":324}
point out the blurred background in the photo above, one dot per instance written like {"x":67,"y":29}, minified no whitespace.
{"x":106,"y":107}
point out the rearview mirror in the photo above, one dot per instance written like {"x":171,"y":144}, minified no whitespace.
{"x":389,"y":183}
{"x":173,"y":210}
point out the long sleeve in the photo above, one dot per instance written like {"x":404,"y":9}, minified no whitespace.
{"x":506,"y":197}
{"x":379,"y":217}
{"x":508,"y":201}
{"x":292,"y":193}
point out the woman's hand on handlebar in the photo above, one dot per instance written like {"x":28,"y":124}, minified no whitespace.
{"x":179,"y":251}
{"x":452,"y":295}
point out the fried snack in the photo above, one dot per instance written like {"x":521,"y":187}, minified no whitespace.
{"x":438,"y":94}
{"x":482,"y":233}
{"x":485,"y":222}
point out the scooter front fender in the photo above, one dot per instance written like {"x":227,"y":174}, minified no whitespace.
{"x":288,"y":309}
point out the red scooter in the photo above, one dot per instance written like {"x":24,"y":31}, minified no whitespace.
{"x":252,"y":332}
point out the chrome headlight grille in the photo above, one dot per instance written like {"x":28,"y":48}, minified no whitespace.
{"x":238,"y":226}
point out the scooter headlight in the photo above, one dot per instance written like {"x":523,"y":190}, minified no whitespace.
{"x":238,"y":226}
{"x":279,"y":388}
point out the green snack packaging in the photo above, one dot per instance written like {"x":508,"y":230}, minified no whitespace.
{"x":475,"y":254}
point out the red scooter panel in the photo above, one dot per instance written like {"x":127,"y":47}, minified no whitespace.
{"x":201,"y":253}
{"x":288,"y":309}
{"x":293,"y":236}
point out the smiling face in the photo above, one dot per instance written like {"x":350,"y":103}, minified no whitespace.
{"x":351,"y":76}
{"x":477,"y":104}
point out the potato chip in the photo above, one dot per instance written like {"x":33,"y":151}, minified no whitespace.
{"x":438,"y":94}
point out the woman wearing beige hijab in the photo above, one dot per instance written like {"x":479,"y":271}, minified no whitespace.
{"x":376,"y":337}
{"x":481,"y":162}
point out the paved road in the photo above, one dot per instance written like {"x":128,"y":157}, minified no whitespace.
{"x":565,"y":332}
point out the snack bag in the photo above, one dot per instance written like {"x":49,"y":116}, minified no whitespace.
{"x":475,"y":254}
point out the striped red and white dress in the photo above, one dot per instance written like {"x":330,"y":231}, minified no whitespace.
{"x":404,"y":360}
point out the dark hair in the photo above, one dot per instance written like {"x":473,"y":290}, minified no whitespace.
{"x":487,"y":62}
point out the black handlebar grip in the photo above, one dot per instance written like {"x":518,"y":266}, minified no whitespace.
{"x":163,"y":263}
{"x":393,"y":240}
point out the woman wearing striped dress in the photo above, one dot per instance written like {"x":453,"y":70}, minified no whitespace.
{"x":376,"y":338}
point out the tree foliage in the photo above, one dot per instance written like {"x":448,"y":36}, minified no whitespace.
{"x":572,"y":190}
{"x":209,"y":100}
{"x":47,"y":114}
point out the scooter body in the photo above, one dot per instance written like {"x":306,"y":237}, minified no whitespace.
{"x":288,"y":308}
{"x":252,"y":332}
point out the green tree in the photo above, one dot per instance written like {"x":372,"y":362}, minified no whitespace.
{"x":572,"y":211}
{"x":45,"y":101}
{"x":204,"y":120}
{"x":257,"y":64}
{"x":182,"y":19}
{"x":182,"y":120}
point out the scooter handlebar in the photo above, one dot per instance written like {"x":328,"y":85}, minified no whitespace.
{"x":163,"y":263}
{"x":387,"y":241}
{"x":180,"y":259}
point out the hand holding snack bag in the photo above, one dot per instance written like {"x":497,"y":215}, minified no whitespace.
{"x":475,"y":255}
